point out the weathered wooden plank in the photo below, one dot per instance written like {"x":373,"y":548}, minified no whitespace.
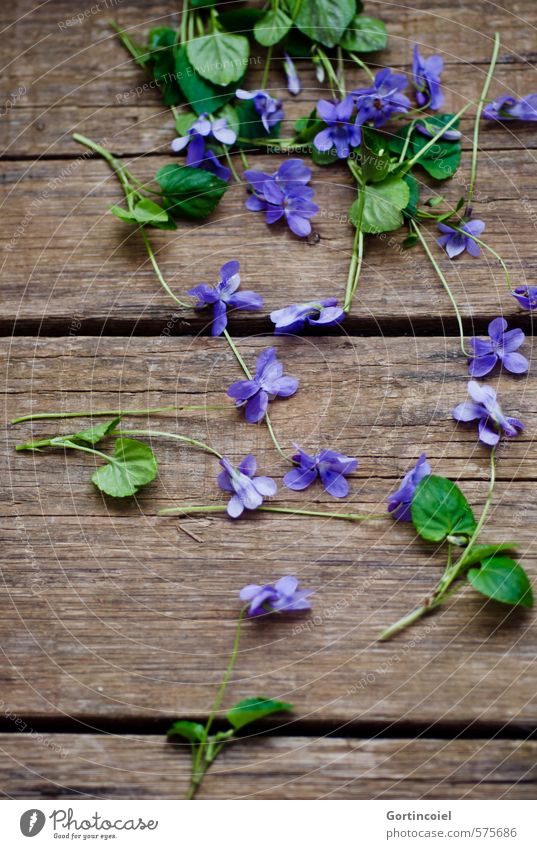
{"x":69,"y":260}
{"x":69,"y":766}
{"x":106,"y":609}
{"x":76,"y":75}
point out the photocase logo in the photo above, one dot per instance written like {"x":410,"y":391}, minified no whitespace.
{"x":32,"y":822}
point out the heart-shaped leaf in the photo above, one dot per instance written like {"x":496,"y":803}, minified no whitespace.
{"x":502,"y":579}
{"x":325,"y":21}
{"x":220,"y":57}
{"x":440,"y":510}
{"x":365,"y":35}
{"x":382,"y":207}
{"x":132,"y":466}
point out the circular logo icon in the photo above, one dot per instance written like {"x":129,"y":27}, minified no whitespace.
{"x":32,"y":822}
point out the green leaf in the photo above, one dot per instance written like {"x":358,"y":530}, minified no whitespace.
{"x":161,"y":45}
{"x":383,"y":205}
{"x":184,"y":121}
{"x":240,"y":20}
{"x":199,"y":4}
{"x":442,"y":159}
{"x":365,"y":35}
{"x":133,"y":465}
{"x":231,"y":115}
{"x":478,"y":553}
{"x":502,"y":579}
{"x":191,"y":731}
{"x":272,"y":27}
{"x":221,"y":58}
{"x":188,"y":191}
{"x":94,"y":434}
{"x":250,"y":710}
{"x":202,"y":95}
{"x":306,"y":128}
{"x":440,"y":510}
{"x":325,"y":21}
{"x":375,"y":156}
{"x":323,"y":157}
{"x":147,"y":213}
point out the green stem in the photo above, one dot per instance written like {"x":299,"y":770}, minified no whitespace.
{"x":221,"y":508}
{"x":480,"y":105}
{"x":158,"y":272}
{"x":488,"y":248}
{"x":84,"y":414}
{"x":445,"y":284}
{"x":355,"y":265}
{"x":452,"y":572}
{"x":332,"y":75}
{"x":266,"y":69}
{"x":362,"y":65}
{"x":157,"y":433}
{"x":407,"y":140}
{"x":248,"y":374}
{"x":66,"y":443}
{"x":231,"y":166}
{"x":184,"y":18}
{"x":243,"y":159}
{"x":411,"y":162}
{"x":116,"y":166}
{"x":341,"y":71}
{"x":198,"y":768}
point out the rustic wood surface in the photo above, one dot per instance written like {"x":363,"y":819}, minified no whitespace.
{"x":114,"y":621}
{"x":71,"y":766}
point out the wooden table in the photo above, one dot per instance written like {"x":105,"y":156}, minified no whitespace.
{"x":114,"y":621}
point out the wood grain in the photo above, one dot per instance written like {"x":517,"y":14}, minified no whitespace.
{"x":105,"y":606}
{"x":68,"y":260}
{"x":71,"y":766}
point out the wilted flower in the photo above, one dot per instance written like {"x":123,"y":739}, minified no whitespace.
{"x":293,"y":82}
{"x":283,"y":194}
{"x":502,"y":347}
{"x":322,"y":313}
{"x":282,"y":597}
{"x":486,"y":410}
{"x":508,"y":108}
{"x":225,"y":294}
{"x":456,"y":243}
{"x":330,"y":466}
{"x":399,"y":502}
{"x":268,"y":108}
{"x":268,"y":382}
{"x":341,"y":132}
{"x":427,"y":128}
{"x":526,"y":296}
{"x":383,"y":99}
{"x":426,"y":79}
{"x":248,"y":491}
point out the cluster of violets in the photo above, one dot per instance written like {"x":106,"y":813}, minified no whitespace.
{"x":286,"y":194}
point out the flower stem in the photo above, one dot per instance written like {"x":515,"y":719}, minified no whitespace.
{"x":411,"y":162}
{"x":117,"y":167}
{"x":362,"y":65}
{"x":198,"y":768}
{"x":488,"y":248}
{"x":158,"y":272}
{"x":332,"y":75}
{"x":248,"y":374}
{"x":84,"y":414}
{"x":480,"y":105}
{"x":445,"y":284}
{"x":221,"y":508}
{"x":266,"y":69}
{"x":355,"y":266}
{"x":231,"y":166}
{"x":189,"y":440}
{"x":452,"y":572}
{"x":184,"y":18}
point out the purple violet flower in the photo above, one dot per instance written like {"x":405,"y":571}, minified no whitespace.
{"x":456,"y":243}
{"x":282,"y":597}
{"x":198,"y":155}
{"x":268,"y":108}
{"x":292,"y":319}
{"x":284,"y":194}
{"x":330,"y":466}
{"x":383,"y":99}
{"x":485,"y":408}
{"x":426,"y":79}
{"x":507,"y":108}
{"x":268,"y":382}
{"x":340,"y":133}
{"x":502,"y":348}
{"x":399,"y":502}
{"x":526,"y":296}
{"x":225,"y":294}
{"x":248,"y":491}
{"x":293,"y":82}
